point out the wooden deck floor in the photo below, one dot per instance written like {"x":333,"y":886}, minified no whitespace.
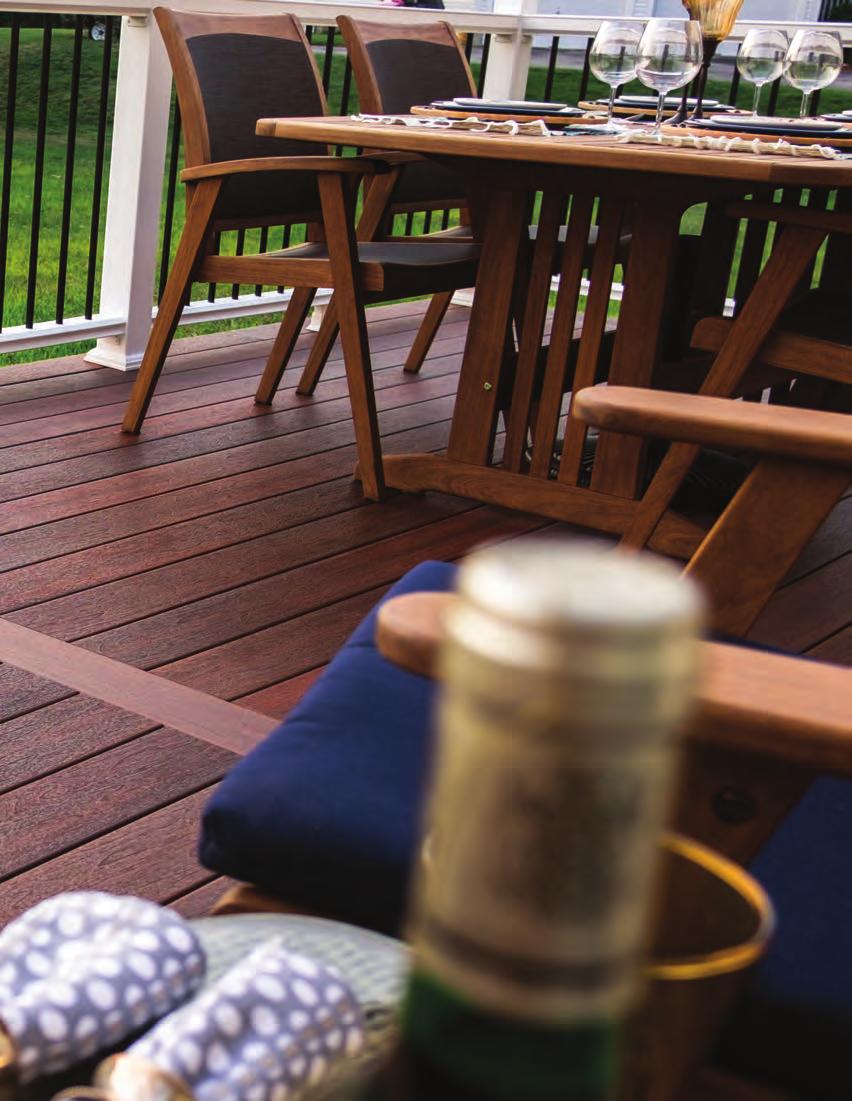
{"x":227,"y":549}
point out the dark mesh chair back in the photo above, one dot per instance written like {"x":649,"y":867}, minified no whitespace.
{"x":397,"y":67}
{"x":229,"y":72}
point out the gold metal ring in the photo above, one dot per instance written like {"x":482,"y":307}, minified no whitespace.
{"x":739,"y":956}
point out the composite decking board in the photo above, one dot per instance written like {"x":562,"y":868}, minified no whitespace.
{"x":145,"y":482}
{"x":80,"y":727}
{"x":837,"y":649}
{"x":199,"y":903}
{"x":829,"y":542}
{"x":187,"y":539}
{"x":211,"y":431}
{"x":155,"y":698}
{"x":152,"y":856}
{"x":279,"y":699}
{"x":237,"y":383}
{"x":72,"y":535}
{"x":809,"y":610}
{"x":201,"y":624}
{"x":327,"y":519}
{"x":292,"y":408}
{"x":191,"y":359}
{"x":67,"y":808}
{"x":84,"y":727}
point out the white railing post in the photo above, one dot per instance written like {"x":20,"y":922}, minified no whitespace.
{"x":140,"y":124}
{"x":509,"y":55}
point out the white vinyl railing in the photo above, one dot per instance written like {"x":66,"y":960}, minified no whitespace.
{"x":140,"y":126}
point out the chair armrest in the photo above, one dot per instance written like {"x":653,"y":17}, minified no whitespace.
{"x":410,"y":629}
{"x":804,"y":434}
{"x":763,"y":703}
{"x":829,"y":221}
{"x":360,"y":166}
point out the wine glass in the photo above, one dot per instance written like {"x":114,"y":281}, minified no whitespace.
{"x":613,"y":56}
{"x":813,"y":61}
{"x":761,"y":58}
{"x":670,"y":55}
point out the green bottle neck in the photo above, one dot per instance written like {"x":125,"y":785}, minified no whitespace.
{"x":447,"y":1043}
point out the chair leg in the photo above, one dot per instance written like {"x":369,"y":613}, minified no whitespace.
{"x":338,"y":215}
{"x":429,"y":326}
{"x":192,"y":241}
{"x":285,"y":341}
{"x":320,"y":350}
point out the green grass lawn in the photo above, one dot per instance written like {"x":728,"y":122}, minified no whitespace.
{"x":565,"y":88}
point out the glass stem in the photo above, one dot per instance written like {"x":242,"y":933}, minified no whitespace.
{"x":806,"y":105}
{"x":658,"y":122}
{"x":758,"y":88}
{"x":611,"y":106}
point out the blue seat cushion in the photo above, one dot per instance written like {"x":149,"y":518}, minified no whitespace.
{"x":793,"y":1024}
{"x":325,"y":812}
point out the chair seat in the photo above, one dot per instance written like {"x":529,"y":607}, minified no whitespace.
{"x":325,"y":814}
{"x":413,"y":267}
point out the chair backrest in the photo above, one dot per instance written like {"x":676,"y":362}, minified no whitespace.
{"x":229,"y":72}
{"x":398,"y":66}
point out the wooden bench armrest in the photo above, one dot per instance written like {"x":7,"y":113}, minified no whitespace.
{"x":769,"y":704}
{"x":805,"y":434}
{"x":359,"y":166}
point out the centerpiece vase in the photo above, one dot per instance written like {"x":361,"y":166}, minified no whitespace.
{"x":717,"y":18}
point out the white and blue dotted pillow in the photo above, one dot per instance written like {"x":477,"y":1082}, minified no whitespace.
{"x":80,"y":971}
{"x":274,"y":1025}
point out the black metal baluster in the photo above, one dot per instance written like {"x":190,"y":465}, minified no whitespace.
{"x":427,"y":224}
{"x":211,"y":287}
{"x":285,"y":243}
{"x":6,"y":194}
{"x":409,"y":224}
{"x":584,"y":76}
{"x":551,"y":67}
{"x":735,"y":87}
{"x":241,"y":244}
{"x":773,"y":97}
{"x":309,"y":34}
{"x":483,"y":64}
{"x":445,"y":219}
{"x":70,"y":148}
{"x":100,"y":158}
{"x":468,"y":45}
{"x":346,"y":90}
{"x":38,"y":171}
{"x":171,"y":188}
{"x":264,"y":240}
{"x":328,"y":58}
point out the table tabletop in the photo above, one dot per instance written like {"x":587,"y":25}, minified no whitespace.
{"x":589,"y":151}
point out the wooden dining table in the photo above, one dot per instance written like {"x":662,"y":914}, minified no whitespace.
{"x":636,"y":188}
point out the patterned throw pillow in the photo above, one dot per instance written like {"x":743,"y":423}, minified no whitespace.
{"x":80,"y":971}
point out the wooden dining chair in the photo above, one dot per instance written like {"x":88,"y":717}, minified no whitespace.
{"x":396,"y":67}
{"x":229,"y":72}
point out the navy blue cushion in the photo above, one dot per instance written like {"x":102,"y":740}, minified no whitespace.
{"x":793,"y":1024}
{"x":326,"y":814}
{"x":326,"y":811}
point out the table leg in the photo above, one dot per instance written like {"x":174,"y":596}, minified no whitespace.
{"x":475,"y":414}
